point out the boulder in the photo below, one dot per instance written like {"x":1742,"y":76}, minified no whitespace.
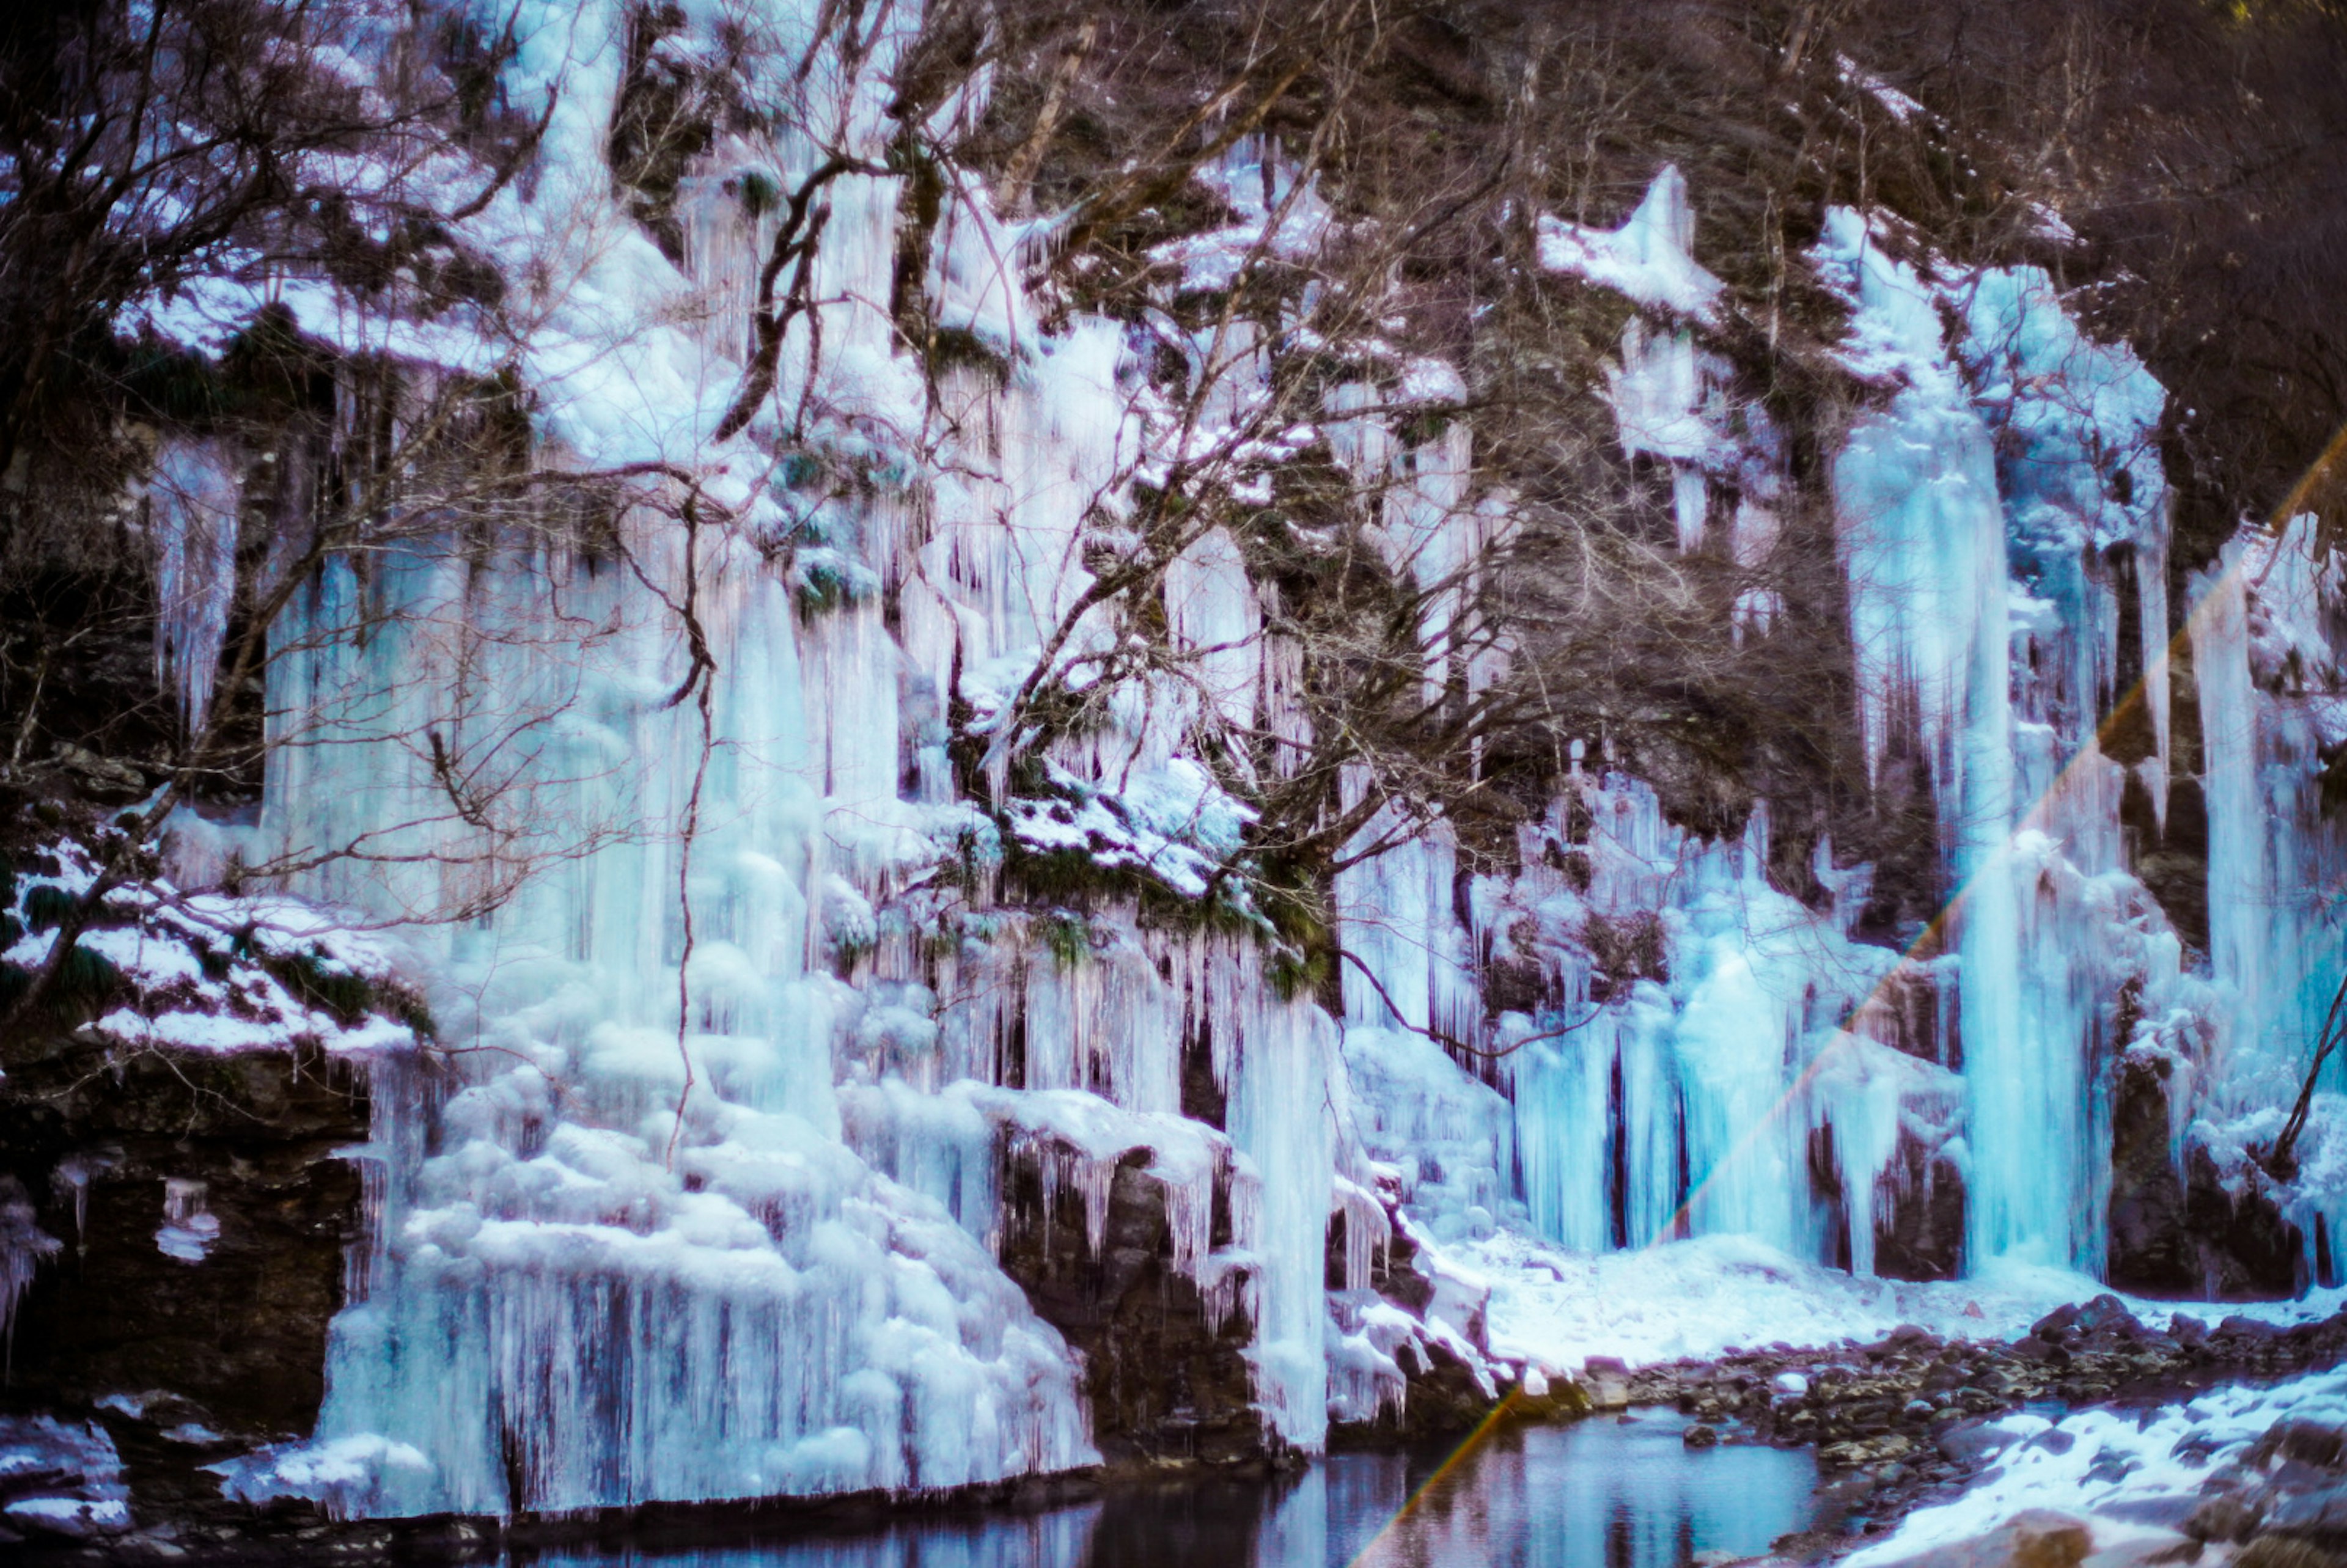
{"x":2308,"y":1442}
{"x":1970,"y":1441}
{"x":2319,"y":1516}
{"x":2287,"y":1551}
{"x":2038,"y":1538}
{"x":1167,"y":1381}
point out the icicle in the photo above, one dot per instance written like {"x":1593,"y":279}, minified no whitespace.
{"x":189,"y":1229}
{"x":23,"y":1245}
{"x":195,"y":497}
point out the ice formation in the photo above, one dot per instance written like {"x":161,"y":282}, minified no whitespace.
{"x":1981,"y":513}
{"x":2264,"y":621}
{"x":61,"y":1478}
{"x":24,"y":1247}
{"x":737,"y":1027}
{"x":189,"y":1229}
{"x":2119,"y":1470}
{"x":732,"y":1065}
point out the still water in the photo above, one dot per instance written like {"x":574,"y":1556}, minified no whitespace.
{"x":1602,"y":1493}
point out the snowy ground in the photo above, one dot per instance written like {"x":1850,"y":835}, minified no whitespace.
{"x":1556,"y":1310}
{"x":2131,"y":1474}
{"x":59,"y":1479}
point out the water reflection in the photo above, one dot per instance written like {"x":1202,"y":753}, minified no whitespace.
{"x":1600,"y":1494}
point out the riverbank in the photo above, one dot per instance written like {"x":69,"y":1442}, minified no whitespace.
{"x":1916,"y":1424}
{"x":1919,"y":1441}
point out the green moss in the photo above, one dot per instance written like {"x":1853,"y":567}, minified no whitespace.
{"x":47,"y":906}
{"x":1067,"y":935}
{"x":825,"y":582}
{"x":1068,"y":877}
{"x":345,"y":997}
{"x":951,"y":346}
{"x":1424,"y":426}
{"x":1292,"y":973}
{"x":85,"y":981}
{"x":761,"y":193}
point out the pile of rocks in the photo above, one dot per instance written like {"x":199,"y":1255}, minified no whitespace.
{"x":59,"y":1480}
{"x":2284,"y":1500}
{"x":1913,"y":1419}
{"x":1906,"y":1395}
{"x":2281,"y":1504}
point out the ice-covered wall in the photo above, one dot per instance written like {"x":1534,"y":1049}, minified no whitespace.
{"x":1980,"y":511}
{"x":741,"y":1002}
{"x":1704,"y":1048}
{"x":700,"y":1201}
{"x":2003,"y":522}
{"x":2264,"y":630}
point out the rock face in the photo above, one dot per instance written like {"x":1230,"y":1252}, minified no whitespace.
{"x":1167,"y":1379}
{"x":2189,"y":1233}
{"x":1444,"y":1392}
{"x":1919,"y":1234}
{"x":2038,"y":1538}
{"x":2151,"y":1250}
{"x":2285,"y":1499}
{"x":2246,"y":1249}
{"x":202,"y":1217}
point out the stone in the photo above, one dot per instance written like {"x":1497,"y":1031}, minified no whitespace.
{"x":2287,"y":1551}
{"x":2248,"y":1249}
{"x":2145,"y":1551}
{"x":2317,"y":1516}
{"x":2246,"y":1330}
{"x":2057,"y":1323}
{"x":1971,"y":1440}
{"x":2227,"y":1516}
{"x":2037,"y":1538}
{"x":2308,"y":1442}
{"x":1606,"y":1382}
{"x":2106,"y":1315}
{"x":2151,"y":1249}
{"x":1866,"y":1451}
{"x":100,"y":779}
{"x":1166,"y":1381}
{"x":2168,"y":1510}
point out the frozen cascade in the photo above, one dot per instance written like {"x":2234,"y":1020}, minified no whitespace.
{"x":24,"y":1247}
{"x":1283,"y":1115}
{"x":1716,"y":1073}
{"x":793,"y":1320}
{"x":699,"y":1202}
{"x":1980,"y":512}
{"x":2265,"y":624}
{"x":732,"y":1071}
{"x":2003,"y":518}
{"x":193,"y":501}
{"x":1633,"y":1106}
{"x":767,"y":1312}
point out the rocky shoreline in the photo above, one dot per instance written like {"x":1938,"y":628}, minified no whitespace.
{"x":1911,"y":1420}
{"x":1897,"y":1425}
